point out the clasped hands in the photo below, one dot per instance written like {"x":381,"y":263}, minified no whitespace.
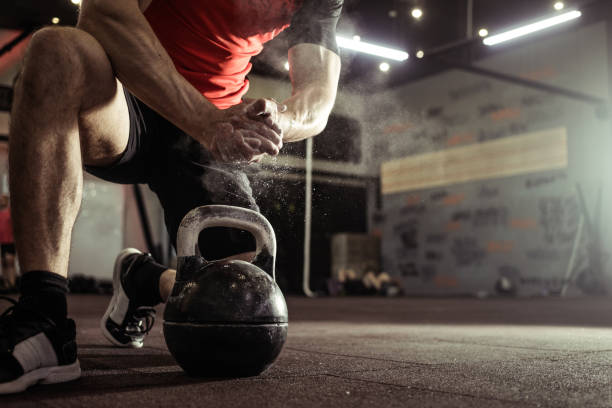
{"x":245,"y":132}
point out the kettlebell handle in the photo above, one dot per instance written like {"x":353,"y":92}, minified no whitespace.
{"x":209,"y":216}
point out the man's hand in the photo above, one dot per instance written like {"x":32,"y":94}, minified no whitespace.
{"x":233,"y":134}
{"x":268,"y":111}
{"x":314,"y":72}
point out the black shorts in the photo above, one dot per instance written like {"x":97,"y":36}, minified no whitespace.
{"x":183,"y":175}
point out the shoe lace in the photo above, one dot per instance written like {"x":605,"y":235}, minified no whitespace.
{"x":8,"y":321}
{"x":140,"y":322}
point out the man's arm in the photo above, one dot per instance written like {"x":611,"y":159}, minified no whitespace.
{"x":315,"y":71}
{"x":142,"y":64}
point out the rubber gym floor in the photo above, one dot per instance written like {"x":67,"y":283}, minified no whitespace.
{"x":362,"y":352}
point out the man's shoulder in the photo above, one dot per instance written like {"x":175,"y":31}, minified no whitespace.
{"x":315,"y":23}
{"x":322,"y":7}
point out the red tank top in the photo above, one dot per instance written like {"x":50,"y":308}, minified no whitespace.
{"x":211,"y":42}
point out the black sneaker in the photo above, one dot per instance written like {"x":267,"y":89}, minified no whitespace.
{"x":125,"y":324}
{"x":35,"y":350}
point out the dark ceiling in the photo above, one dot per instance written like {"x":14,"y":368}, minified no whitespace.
{"x":443,"y":22}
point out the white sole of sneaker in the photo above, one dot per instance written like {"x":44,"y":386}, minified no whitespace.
{"x":117,"y":293}
{"x":45,"y":375}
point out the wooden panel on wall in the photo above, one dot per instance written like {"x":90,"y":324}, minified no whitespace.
{"x":510,"y":156}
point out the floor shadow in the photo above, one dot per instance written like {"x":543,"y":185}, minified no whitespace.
{"x":98,"y":346}
{"x":127,"y":362}
{"x":108,"y":384}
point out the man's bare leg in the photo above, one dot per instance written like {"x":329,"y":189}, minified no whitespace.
{"x":166,"y":282}
{"x":68,"y":109}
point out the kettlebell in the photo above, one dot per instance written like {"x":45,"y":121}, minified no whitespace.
{"x":225,"y":318}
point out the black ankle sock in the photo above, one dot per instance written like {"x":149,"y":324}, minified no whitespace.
{"x":142,"y":283}
{"x":45,"y":292}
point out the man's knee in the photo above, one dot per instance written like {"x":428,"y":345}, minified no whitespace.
{"x":52,"y":55}
{"x":59,"y":58}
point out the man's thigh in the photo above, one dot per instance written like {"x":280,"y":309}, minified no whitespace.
{"x":142,"y":148}
{"x":182,"y":174}
{"x":103,"y":119}
{"x":67,"y":70}
{"x":104,"y":128}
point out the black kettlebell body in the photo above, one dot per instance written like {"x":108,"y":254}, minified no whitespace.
{"x":226,"y":318}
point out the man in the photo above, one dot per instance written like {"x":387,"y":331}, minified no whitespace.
{"x":145,"y":92}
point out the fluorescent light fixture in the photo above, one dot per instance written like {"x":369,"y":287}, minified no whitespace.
{"x":532,"y":28}
{"x":372,"y":49}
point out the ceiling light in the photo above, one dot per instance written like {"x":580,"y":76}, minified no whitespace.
{"x":417,"y":13}
{"x":392,"y":13}
{"x":483,"y":32}
{"x":532,"y":28}
{"x":372,"y":49}
{"x":77,"y":2}
{"x":559,"y":6}
{"x":286,"y":65}
{"x":384,"y":67}
{"x":420,"y":54}
{"x":55,"y":20}
{"x":356,"y":38}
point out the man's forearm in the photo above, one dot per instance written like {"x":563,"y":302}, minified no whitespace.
{"x":141,"y":63}
{"x":315,"y":71}
{"x":307,"y":113}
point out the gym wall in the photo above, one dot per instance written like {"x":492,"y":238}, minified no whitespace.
{"x":508,"y":223}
